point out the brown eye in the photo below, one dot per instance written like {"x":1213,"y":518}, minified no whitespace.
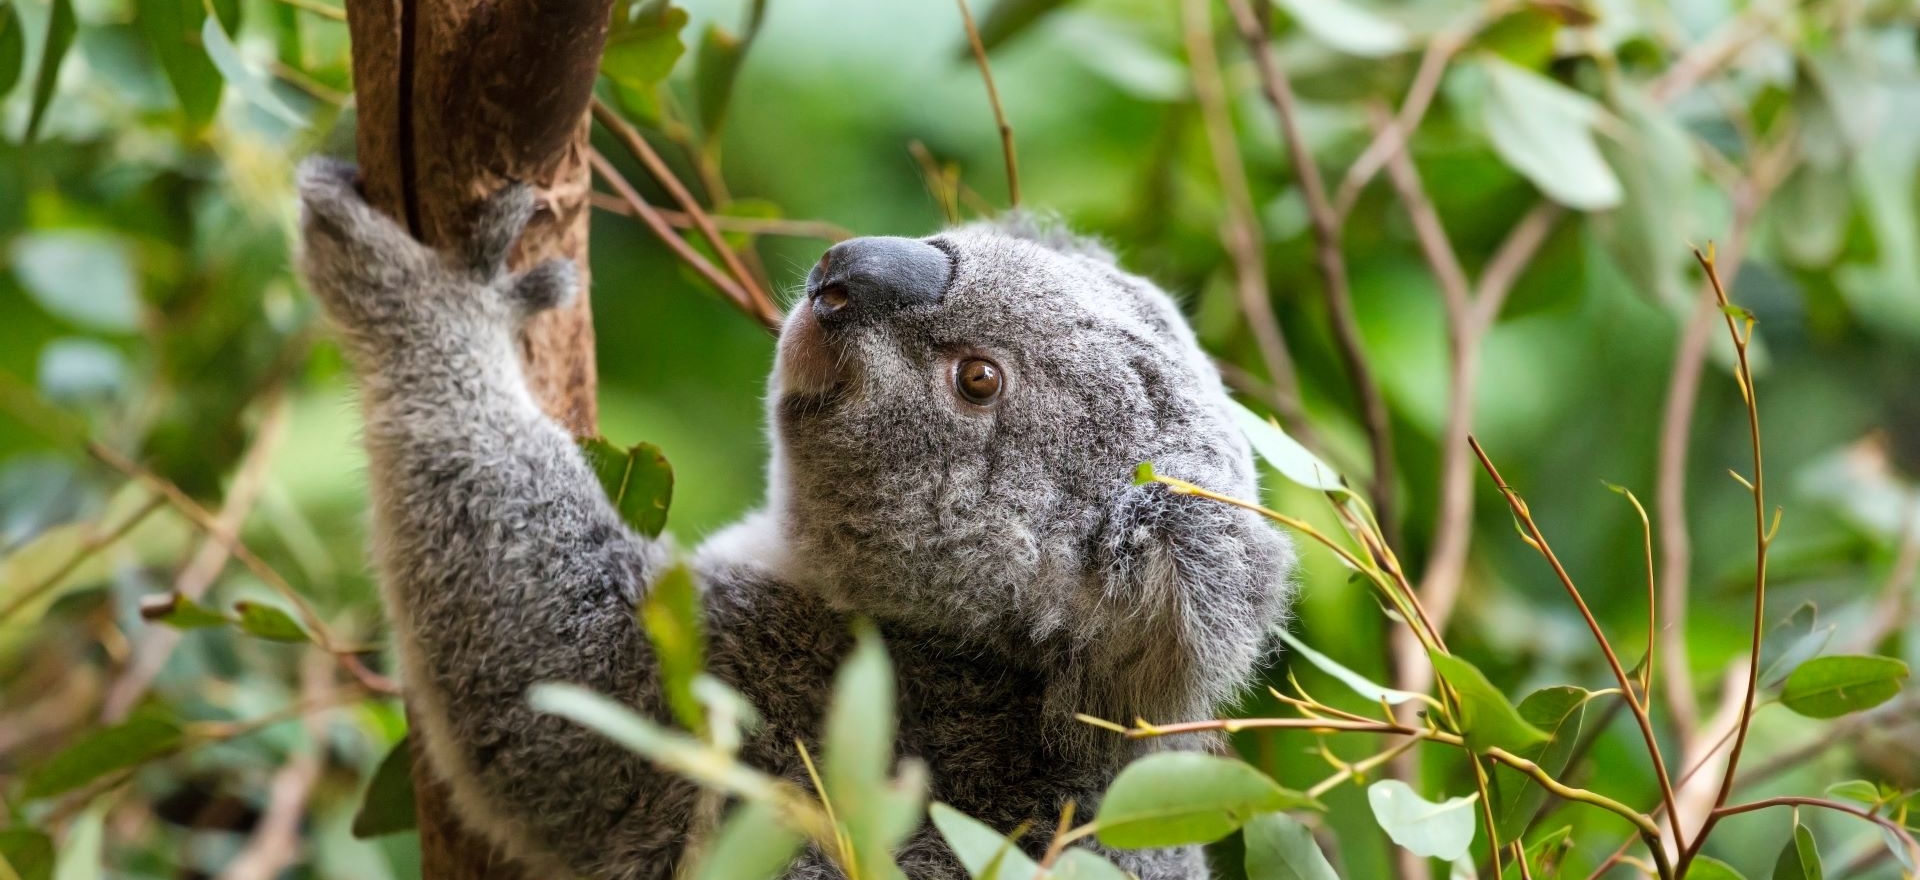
{"x":978,"y":380}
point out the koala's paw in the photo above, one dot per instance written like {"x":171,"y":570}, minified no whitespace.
{"x":376,"y":282}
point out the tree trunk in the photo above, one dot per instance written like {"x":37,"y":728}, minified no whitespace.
{"x":456,"y":98}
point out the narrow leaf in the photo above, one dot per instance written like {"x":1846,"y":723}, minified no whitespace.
{"x":59,"y":37}
{"x":1287,"y":456}
{"x":1347,"y":27}
{"x":387,"y":806}
{"x":753,"y":844}
{"x":1800,"y":858}
{"x":269,"y":622}
{"x":984,"y":852}
{"x":13,"y":47}
{"x":255,"y":88}
{"x":1561,"y":712}
{"x":136,"y":741}
{"x":1545,"y":131}
{"x":28,"y":852}
{"x":1360,"y":684}
{"x":180,"y":612}
{"x":1709,"y":868}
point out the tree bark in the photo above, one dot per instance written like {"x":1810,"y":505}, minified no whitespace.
{"x":457,"y":98}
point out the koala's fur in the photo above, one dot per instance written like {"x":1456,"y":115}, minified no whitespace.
{"x":1015,"y":572}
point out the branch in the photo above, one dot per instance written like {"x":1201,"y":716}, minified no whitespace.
{"x":727,"y":286}
{"x":993,"y":98}
{"x":819,"y":229}
{"x":1332,"y":266}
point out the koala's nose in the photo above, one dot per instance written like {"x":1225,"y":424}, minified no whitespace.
{"x":864,"y":278}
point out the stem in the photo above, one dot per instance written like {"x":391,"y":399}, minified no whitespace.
{"x":1539,"y":541}
{"x":93,"y":544}
{"x":993,"y":99}
{"x":651,"y":218}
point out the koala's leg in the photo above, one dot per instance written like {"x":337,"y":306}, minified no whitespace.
{"x":1188,"y":592}
{"x":502,"y":563}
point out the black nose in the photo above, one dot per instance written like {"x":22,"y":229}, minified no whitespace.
{"x":864,"y":278}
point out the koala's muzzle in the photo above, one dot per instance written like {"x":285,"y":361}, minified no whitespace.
{"x":863,"y":279}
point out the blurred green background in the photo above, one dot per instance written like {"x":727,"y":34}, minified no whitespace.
{"x":147,"y":305}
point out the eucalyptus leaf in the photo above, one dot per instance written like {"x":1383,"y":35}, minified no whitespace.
{"x":86,"y":278}
{"x":1179,"y":798}
{"x":255,"y":88}
{"x":53,"y":49}
{"x":1358,"y":683}
{"x":638,"y":482}
{"x":1347,"y":27}
{"x":172,"y":29}
{"x":984,"y":852}
{"x":1829,"y":687}
{"x":269,"y":622}
{"x":1280,"y":848}
{"x":1561,"y":713}
{"x":1082,"y":864}
{"x":13,"y":47}
{"x":1006,"y":19}
{"x":1438,"y":831}
{"x":1800,"y":858}
{"x":107,"y":750}
{"x":675,"y":624}
{"x":1545,"y":131}
{"x":1708,"y":868}
{"x":1287,"y":456}
{"x":180,"y":612}
{"x":1486,"y":718}
{"x":29,"y":853}
{"x":753,"y":844}
{"x":388,"y":805}
{"x":716,"y":64}
{"x":1797,"y":638}
{"x":671,"y":749}
{"x":641,"y":51}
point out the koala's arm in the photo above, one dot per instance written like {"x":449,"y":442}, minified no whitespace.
{"x":502,"y":562}
{"x":1190,"y":591}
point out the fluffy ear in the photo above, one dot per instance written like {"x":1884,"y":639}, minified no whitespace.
{"x":1047,"y":230}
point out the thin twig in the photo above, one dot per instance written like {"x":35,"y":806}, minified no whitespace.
{"x":1240,"y":229}
{"x":652,"y":220}
{"x":1332,"y":265}
{"x":208,"y":524}
{"x":157,"y":642}
{"x":1539,"y":542}
{"x":1392,"y":137}
{"x":630,"y":137}
{"x":819,"y":229}
{"x":89,"y":545}
{"x":993,"y":98}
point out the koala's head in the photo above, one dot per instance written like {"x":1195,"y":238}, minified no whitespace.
{"x":956,"y":416}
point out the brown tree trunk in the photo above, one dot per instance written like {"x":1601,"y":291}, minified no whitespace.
{"x":455,"y":99}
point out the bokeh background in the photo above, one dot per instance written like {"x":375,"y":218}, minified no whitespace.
{"x":147,"y":305}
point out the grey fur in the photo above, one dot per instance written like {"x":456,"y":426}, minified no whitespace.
{"x":1015,"y":572}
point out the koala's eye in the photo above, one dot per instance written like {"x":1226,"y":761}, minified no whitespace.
{"x":978,"y":380}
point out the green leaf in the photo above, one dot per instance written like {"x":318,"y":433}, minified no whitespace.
{"x":716,"y":64}
{"x":136,"y":741}
{"x":1545,"y":131}
{"x":1552,"y":856}
{"x":1347,"y":27}
{"x":269,"y":622}
{"x":387,"y":806}
{"x":172,"y":29}
{"x":982,"y":851}
{"x":1280,"y":848}
{"x":638,"y":482}
{"x":877,"y":813}
{"x":1800,"y":858}
{"x":675,"y":624}
{"x":13,"y":47}
{"x":82,"y":854}
{"x":1292,"y":460}
{"x":252,"y":86}
{"x":1359,"y":684}
{"x":1708,"y":868}
{"x":1439,"y":831}
{"x":1486,"y":718}
{"x":1856,"y":790}
{"x":672,"y":750}
{"x":180,"y":612}
{"x":1560,"y":712}
{"x":1524,"y":36}
{"x":86,"y":278}
{"x":1081,"y":864}
{"x":28,"y":852}
{"x":1178,"y":798}
{"x":1793,"y":641}
{"x":753,"y":844}
{"x":641,"y":51}
{"x":59,"y":37}
{"x":1829,"y":687}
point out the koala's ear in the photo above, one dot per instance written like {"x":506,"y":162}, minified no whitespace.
{"x":1049,"y":231}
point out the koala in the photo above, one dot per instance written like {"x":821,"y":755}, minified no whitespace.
{"x":954,"y":423}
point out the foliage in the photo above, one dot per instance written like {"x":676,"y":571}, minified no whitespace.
{"x":187,"y":626}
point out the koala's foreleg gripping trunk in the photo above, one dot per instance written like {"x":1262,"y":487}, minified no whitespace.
{"x":502,"y":562}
